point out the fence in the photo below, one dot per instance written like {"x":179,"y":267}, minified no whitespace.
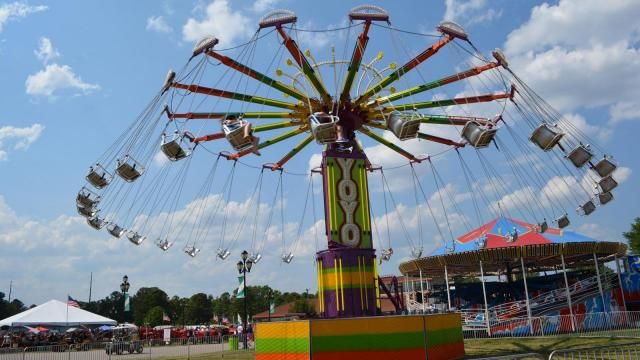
{"x":629,"y":351}
{"x":219,"y":347}
{"x":608,"y":324}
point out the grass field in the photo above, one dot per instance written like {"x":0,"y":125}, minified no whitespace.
{"x":474,"y":348}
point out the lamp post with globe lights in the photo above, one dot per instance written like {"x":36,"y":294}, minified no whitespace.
{"x":244,"y":266}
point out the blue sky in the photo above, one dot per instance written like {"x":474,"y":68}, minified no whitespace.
{"x":78,"y":73}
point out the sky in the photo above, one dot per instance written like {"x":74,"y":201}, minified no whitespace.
{"x":77,"y":74}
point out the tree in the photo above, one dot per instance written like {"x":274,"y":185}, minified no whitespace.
{"x":145,"y":299}
{"x":199,"y":309}
{"x":633,"y":236}
{"x":154,"y":316}
{"x":303,"y":306}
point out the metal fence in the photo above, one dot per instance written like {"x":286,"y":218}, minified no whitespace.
{"x":218,"y":347}
{"x":618,"y":352}
{"x":608,"y":324}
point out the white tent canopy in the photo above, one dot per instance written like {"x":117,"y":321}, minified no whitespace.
{"x":56,"y":313}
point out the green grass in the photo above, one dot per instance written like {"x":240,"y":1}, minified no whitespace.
{"x":542,"y":346}
{"x":474,"y":348}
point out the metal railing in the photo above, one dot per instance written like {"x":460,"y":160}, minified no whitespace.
{"x":216,"y":347}
{"x":600,"y":324}
{"x":627,"y":351}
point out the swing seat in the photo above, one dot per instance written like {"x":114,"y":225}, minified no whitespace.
{"x":129,"y":169}
{"x":96,"y":222}
{"x":205,"y":44}
{"x":286,"y":258}
{"x":481,"y":242}
{"x":543,"y":227}
{"x":115,"y":230}
{"x":545,"y":137}
{"x":324,"y":127}
{"x":255,"y":258}
{"x":135,"y":238}
{"x":234,"y":133}
{"x":191,"y":250}
{"x":87,"y":198}
{"x":174,"y":149}
{"x":168,"y":80}
{"x":416,"y":252}
{"x":164,"y":244}
{"x":512,"y":236}
{"x":402,"y":128}
{"x":385,"y":254}
{"x":586,"y":208}
{"x":478,"y":135}
{"x":605,"y":197}
{"x":605,"y":167}
{"x":223,"y":253}
{"x":98,"y":176}
{"x":563,"y":221}
{"x":580,"y":155}
{"x":87,"y":212}
{"x":607,"y":184}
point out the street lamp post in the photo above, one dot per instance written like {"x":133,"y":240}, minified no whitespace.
{"x":124,"y":288}
{"x":244,"y":266}
{"x":269,"y":299}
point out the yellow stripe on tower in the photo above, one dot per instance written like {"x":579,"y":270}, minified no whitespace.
{"x":341,"y":285}
{"x":335,"y":274}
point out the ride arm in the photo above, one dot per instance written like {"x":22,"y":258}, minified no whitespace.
{"x":301,"y":145}
{"x":411,"y":64}
{"x":269,"y":142}
{"x":450,"y":102}
{"x":209,"y":137}
{"x":434,"y":84}
{"x":258,"y":76}
{"x":356,"y":60}
{"x":273,"y":126}
{"x":388,"y":144}
{"x":439,"y":140}
{"x":302,"y":61}
{"x":235,"y":96}
{"x":222,"y":115}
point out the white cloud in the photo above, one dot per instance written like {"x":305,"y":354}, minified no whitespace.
{"x":46,"y":52}
{"x":470,"y":11}
{"x":20,"y":138}
{"x":158,"y":24}
{"x":600,"y":133}
{"x":264,"y":5}
{"x":16,"y":10}
{"x":561,"y":43}
{"x":55,"y":78}
{"x":220,"y":21}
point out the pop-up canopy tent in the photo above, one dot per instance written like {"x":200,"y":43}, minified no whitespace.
{"x":56,"y":313}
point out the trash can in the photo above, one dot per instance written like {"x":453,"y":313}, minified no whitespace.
{"x":233,"y":343}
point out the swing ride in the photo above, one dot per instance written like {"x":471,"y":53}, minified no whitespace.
{"x":217,"y":104}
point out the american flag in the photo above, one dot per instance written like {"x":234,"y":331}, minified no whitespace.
{"x":72,"y":302}
{"x":165,"y":317}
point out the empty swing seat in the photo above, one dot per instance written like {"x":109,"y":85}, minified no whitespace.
{"x":191,"y":250}
{"x":87,"y":212}
{"x":416,"y":252}
{"x":115,"y":230}
{"x":481,"y":242}
{"x":403,"y":128}
{"x":87,"y":198}
{"x":135,"y":238}
{"x":512,"y":236}
{"x":580,"y":155}
{"x":223,"y":253}
{"x":586,"y":208}
{"x":164,"y":244}
{"x":545,"y":137}
{"x":234,"y":133}
{"x":286,"y":258}
{"x":96,"y":222}
{"x":605,"y":197}
{"x":324,"y":127}
{"x":255,"y":258}
{"x":563,"y":221}
{"x":129,"y":169}
{"x":98,"y":176}
{"x":173,"y":149}
{"x":478,"y":135}
{"x":604,"y":167}
{"x":607,"y":183}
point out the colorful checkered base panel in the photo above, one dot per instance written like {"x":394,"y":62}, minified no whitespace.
{"x":432,"y":337}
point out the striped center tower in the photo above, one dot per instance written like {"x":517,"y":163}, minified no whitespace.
{"x":347,"y":271}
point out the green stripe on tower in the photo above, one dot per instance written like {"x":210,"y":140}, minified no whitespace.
{"x":412,"y":340}
{"x":444,"y":336}
{"x":282,"y":345}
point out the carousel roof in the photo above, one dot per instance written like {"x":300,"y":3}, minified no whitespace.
{"x":502,"y":242}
